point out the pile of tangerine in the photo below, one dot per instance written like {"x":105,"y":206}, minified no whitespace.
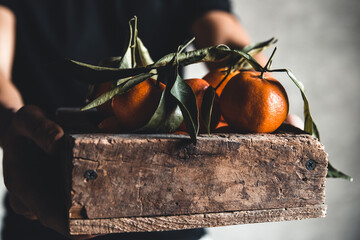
{"x":246,"y":101}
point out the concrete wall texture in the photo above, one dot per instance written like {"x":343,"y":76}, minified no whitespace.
{"x":320,"y":42}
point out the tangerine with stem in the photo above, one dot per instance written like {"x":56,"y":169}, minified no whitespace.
{"x":254,"y":102}
{"x":219,"y":77}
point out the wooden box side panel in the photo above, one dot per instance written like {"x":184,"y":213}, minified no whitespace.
{"x":169,"y":176}
{"x":180,"y":222}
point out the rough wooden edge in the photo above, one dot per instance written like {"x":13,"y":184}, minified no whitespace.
{"x":180,"y":222}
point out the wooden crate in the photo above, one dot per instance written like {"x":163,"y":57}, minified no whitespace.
{"x":137,"y":183}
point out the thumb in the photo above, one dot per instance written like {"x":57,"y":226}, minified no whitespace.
{"x":30,"y":121}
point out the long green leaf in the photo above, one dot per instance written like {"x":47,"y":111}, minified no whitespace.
{"x":259,"y":46}
{"x":250,"y":60}
{"x":111,"y":62}
{"x":187,"y":102}
{"x":133,"y":25}
{"x":128,"y":60}
{"x":143,"y":58}
{"x":252,"y":50}
{"x":96,"y":74}
{"x":167,"y":117}
{"x":143,"y":54}
{"x":93,"y":74}
{"x":207,"y":107}
{"x":334,"y":173}
{"x":177,"y":98}
{"x":210,"y":54}
{"x":309,"y":125}
{"x":117,"y":90}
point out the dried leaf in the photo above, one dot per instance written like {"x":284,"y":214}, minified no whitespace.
{"x":187,"y":102}
{"x":167,"y":117}
{"x":207,"y":106}
{"x":143,"y":53}
{"x":117,"y":90}
{"x":93,"y":74}
{"x":309,"y":125}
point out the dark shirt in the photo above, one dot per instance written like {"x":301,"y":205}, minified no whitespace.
{"x":88,"y":31}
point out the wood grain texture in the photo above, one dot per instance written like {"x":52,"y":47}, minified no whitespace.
{"x":166,"y":175}
{"x":166,"y":223}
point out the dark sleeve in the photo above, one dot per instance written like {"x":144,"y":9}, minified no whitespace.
{"x":9,"y":4}
{"x":200,"y":7}
{"x":197,"y":8}
{"x":203,"y":6}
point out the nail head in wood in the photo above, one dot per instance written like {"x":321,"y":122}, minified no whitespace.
{"x":90,"y":175}
{"x":310,"y":164}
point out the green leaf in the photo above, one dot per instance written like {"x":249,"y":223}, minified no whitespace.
{"x":187,"y":102}
{"x":167,"y":117}
{"x":258,"y":47}
{"x":177,"y":95}
{"x":207,"y":106}
{"x":220,"y":53}
{"x":144,"y":58}
{"x":334,"y":173}
{"x":117,"y":90}
{"x":96,"y":74}
{"x":253,"y":50}
{"x":309,"y":125}
{"x":111,"y":62}
{"x":133,"y":24}
{"x":128,"y":59}
{"x":250,"y":60}
{"x":122,"y":81}
{"x":211,"y":54}
{"x":93,"y":74}
{"x":216,"y":54}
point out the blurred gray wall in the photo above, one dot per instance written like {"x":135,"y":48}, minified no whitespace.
{"x":319,"y":40}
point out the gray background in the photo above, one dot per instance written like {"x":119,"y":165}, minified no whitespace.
{"x":319,"y":42}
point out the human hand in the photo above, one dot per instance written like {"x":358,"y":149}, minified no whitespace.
{"x":33,"y":168}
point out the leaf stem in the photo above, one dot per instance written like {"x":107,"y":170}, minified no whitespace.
{"x":186,"y":45}
{"x":222,"y":81}
{"x":267,"y":66}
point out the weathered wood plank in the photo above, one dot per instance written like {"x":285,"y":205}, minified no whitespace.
{"x":166,"y":223}
{"x":165,"y":175}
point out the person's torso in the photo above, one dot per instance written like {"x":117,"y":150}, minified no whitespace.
{"x":87,"y":31}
